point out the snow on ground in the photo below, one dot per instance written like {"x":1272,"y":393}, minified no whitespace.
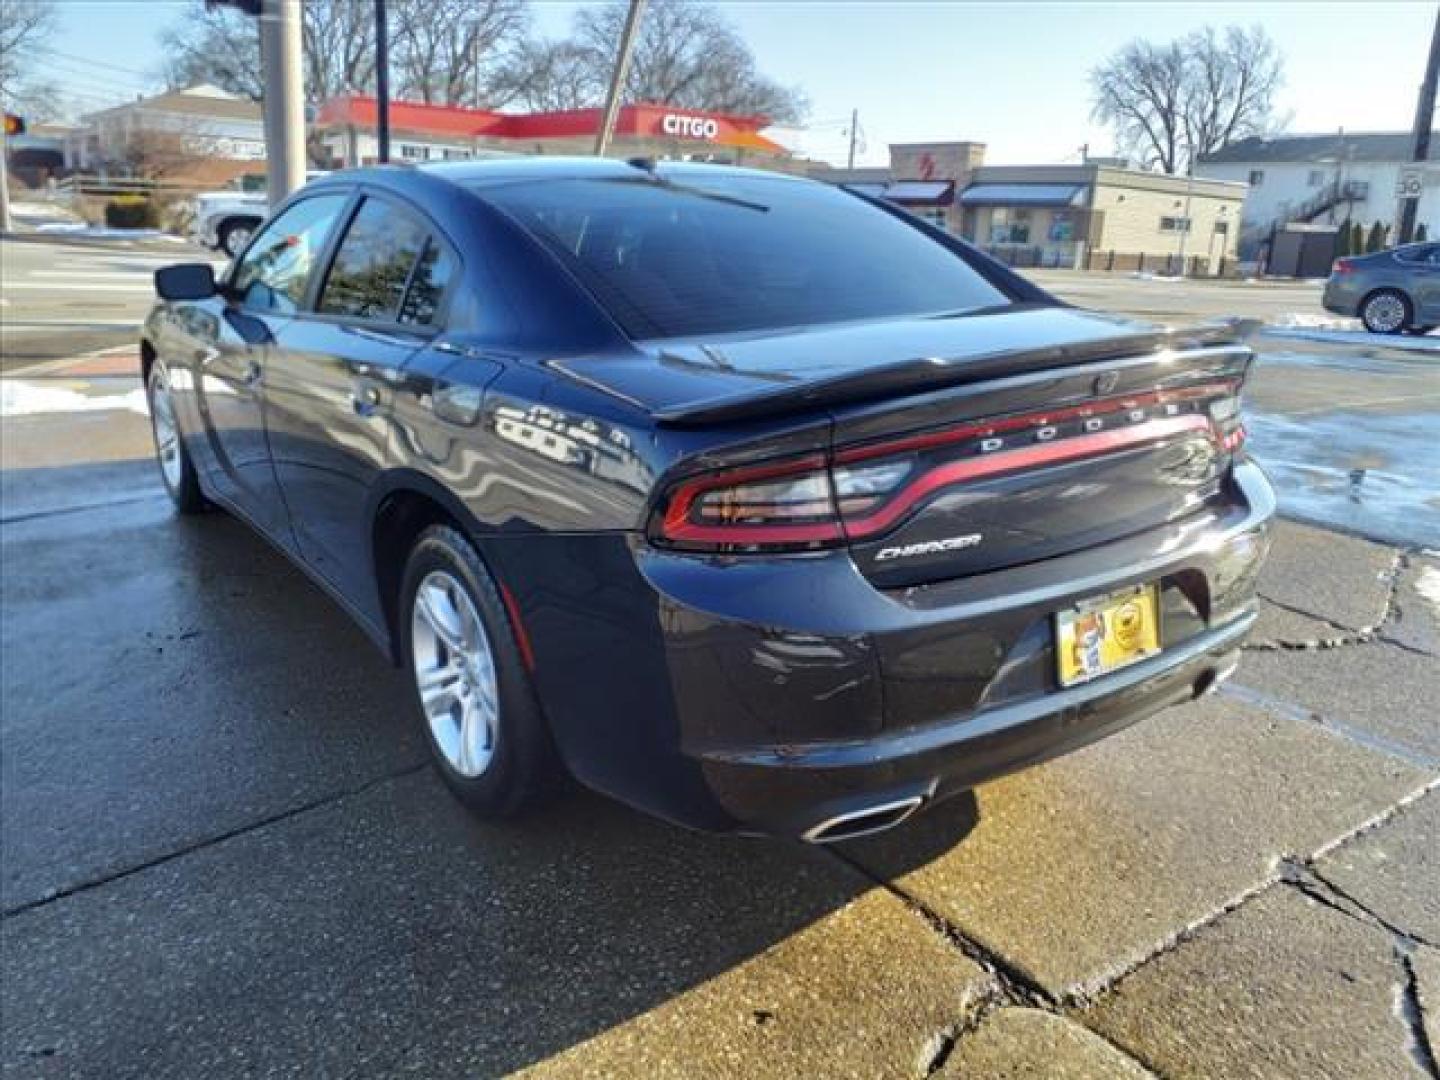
{"x":1337,"y":331}
{"x":19,"y":397}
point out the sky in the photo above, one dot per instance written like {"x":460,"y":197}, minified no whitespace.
{"x":1010,"y":75}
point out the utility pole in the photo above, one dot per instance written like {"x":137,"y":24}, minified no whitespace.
{"x":1185,"y":220}
{"x":1424,"y":118}
{"x":284,"y":104}
{"x":382,"y":80}
{"x":854,"y":131}
{"x":617,"y":79}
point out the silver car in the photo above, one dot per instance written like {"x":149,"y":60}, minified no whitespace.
{"x":1390,"y":291}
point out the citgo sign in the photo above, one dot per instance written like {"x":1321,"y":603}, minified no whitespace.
{"x":690,"y":127}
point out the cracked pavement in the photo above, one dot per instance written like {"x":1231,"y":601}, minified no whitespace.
{"x":224,"y":854}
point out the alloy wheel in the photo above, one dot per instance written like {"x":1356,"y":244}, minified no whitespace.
{"x":236,"y":239}
{"x":455,"y":673}
{"x":167,"y":431}
{"x":1384,"y":314}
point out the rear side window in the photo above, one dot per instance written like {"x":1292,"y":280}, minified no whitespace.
{"x":724,"y":254}
{"x":372,"y":265}
{"x":427,"y":287}
{"x":275,"y":270}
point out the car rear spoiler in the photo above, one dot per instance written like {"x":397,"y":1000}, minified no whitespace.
{"x":933,"y":373}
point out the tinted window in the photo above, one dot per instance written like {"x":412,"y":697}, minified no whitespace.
{"x":275,"y":270}
{"x":373,"y":262}
{"x":427,"y":287}
{"x":725,"y":253}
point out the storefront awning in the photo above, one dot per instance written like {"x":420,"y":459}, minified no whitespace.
{"x":921,"y":192}
{"x":910,"y":192}
{"x":1022,"y":195}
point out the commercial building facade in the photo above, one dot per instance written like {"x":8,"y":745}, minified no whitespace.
{"x":1325,"y":180}
{"x":1093,"y":215}
{"x":347,"y":129}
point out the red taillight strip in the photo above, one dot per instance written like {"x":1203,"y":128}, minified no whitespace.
{"x":1014,"y":423}
{"x":678,"y":525}
{"x":1051,"y":453}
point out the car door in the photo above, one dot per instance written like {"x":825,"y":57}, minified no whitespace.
{"x":331,"y":382}
{"x":264,"y":290}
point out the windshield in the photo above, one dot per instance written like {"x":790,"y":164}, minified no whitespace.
{"x":725,"y":254}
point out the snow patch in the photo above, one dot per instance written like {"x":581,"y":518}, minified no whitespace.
{"x":21,"y":398}
{"x":1428,"y":586}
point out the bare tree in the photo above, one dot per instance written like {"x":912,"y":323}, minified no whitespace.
{"x":222,"y":47}
{"x":1231,"y":86}
{"x":685,"y":54}
{"x":25,"y":25}
{"x":453,"y":52}
{"x":544,"y":76}
{"x":218,"y":46}
{"x":1171,"y":104}
{"x":339,"y":44}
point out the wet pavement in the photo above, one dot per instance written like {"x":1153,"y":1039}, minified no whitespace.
{"x":222,"y":852}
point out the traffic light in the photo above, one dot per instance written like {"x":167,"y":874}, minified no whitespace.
{"x":14,"y":125}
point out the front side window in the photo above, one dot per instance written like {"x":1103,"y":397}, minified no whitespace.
{"x":695,"y":254}
{"x":372,"y":265}
{"x":275,"y":270}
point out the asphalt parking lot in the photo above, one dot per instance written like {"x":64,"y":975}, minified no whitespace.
{"x":222,"y":852}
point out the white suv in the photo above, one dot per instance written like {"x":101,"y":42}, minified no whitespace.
{"x":225,"y":220}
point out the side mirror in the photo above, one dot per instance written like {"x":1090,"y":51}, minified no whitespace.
{"x":185,"y":281}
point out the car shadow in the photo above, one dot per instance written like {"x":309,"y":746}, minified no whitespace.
{"x":254,"y":851}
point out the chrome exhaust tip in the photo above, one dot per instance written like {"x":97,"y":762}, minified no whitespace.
{"x":863,"y":822}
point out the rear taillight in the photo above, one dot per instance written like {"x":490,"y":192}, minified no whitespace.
{"x":782,"y":505}
{"x":819,"y":501}
{"x":1343,"y":266}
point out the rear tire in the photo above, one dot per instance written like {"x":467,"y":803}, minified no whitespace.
{"x":482,"y":722}
{"x":177,"y":471}
{"x":1386,"y":311}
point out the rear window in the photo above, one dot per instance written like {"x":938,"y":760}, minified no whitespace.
{"x":699,"y":256}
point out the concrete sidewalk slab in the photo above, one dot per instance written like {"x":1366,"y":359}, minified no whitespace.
{"x":451,"y":948}
{"x":1278,"y":627}
{"x":1341,"y":579}
{"x":1082,"y":868}
{"x":1283,"y":987}
{"x":1013,"y":1043}
{"x":1390,"y":693}
{"x":1394,"y":870}
{"x":1415,"y":621}
{"x":173,"y":679}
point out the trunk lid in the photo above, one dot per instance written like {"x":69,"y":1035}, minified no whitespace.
{"x":722,"y":380}
{"x":957,"y":446}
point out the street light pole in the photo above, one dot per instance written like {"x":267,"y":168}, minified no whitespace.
{"x":382,"y":81}
{"x":854,"y":128}
{"x":617,"y":79}
{"x":284,"y":104}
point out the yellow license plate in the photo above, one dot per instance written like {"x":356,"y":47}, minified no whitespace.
{"x":1102,"y":635}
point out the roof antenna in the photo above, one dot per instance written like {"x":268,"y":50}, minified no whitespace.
{"x":646,"y":164}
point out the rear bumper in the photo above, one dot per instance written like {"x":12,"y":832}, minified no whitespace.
{"x":1342,"y":297}
{"x":773,"y":695}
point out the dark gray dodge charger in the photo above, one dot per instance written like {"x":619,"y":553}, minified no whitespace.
{"x":753,"y":502}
